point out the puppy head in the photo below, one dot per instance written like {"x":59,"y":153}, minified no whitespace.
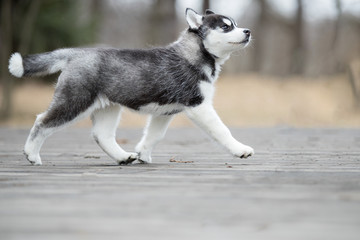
{"x":220,"y":34}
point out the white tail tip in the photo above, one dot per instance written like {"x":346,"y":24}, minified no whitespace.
{"x":16,"y":67}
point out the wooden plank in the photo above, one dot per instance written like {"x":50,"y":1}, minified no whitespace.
{"x":301,"y":184}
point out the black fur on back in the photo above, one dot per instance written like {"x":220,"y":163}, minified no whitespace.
{"x":135,"y":78}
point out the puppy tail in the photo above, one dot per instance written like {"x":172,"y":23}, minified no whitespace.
{"x":16,"y":67}
{"x":39,"y":64}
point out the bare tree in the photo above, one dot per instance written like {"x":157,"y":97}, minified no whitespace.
{"x":336,"y":65}
{"x":27,"y":29}
{"x":337,"y":23}
{"x":7,"y":45}
{"x":6,"y":42}
{"x":354,"y":77}
{"x":162,"y":21}
{"x":258,"y":32}
{"x":299,"y":49}
{"x":205,"y":5}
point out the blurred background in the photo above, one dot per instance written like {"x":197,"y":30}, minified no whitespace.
{"x":302,"y":68}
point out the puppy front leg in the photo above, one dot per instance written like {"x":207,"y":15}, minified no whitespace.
{"x":154,"y":131}
{"x":207,"y":119}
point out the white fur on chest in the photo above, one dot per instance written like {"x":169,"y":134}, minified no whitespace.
{"x":207,"y":91}
{"x":212,"y":76}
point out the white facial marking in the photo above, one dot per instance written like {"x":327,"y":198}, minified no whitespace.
{"x":233,"y":21}
{"x":223,"y":44}
{"x":227,"y":21}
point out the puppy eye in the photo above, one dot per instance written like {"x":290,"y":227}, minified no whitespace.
{"x":225,"y":27}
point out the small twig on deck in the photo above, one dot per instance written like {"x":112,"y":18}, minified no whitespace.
{"x":179,"y":161}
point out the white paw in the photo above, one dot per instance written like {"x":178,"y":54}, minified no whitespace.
{"x":128,"y":159}
{"x":144,"y":154}
{"x":243,"y":151}
{"x":144,"y":158}
{"x":33,"y":159}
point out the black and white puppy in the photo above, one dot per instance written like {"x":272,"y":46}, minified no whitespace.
{"x":159,"y":81}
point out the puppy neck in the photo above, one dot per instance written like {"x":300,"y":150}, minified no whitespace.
{"x":190,"y":46}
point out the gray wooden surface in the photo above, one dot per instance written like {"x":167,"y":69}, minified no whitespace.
{"x":301,"y":184}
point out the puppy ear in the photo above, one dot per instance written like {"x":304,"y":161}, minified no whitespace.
{"x":208,"y":12}
{"x":193,"y":19}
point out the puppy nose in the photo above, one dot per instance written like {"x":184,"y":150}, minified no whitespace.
{"x":247,"y":32}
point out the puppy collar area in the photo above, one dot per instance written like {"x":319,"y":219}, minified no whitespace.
{"x":214,"y":56}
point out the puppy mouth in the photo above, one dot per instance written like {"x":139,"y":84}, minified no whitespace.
{"x":241,"y":42}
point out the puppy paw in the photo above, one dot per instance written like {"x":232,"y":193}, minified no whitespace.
{"x":33,"y":159}
{"x":128,"y":159}
{"x":144,"y":159}
{"x":243,"y":151}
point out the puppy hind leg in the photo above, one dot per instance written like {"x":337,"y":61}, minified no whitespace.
{"x":56,"y":118}
{"x":35,"y":140}
{"x":45,"y":125}
{"x":105,"y":122}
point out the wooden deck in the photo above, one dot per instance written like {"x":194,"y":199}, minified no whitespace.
{"x":301,"y":184}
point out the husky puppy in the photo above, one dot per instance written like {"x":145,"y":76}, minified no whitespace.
{"x":160,"y":82}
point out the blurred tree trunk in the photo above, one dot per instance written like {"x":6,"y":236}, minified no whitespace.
{"x":258,"y":34}
{"x":298,"y":62}
{"x":205,"y":5}
{"x":354,"y":77}
{"x":6,"y":47}
{"x":332,"y":56}
{"x":27,"y":30}
{"x":337,"y":23}
{"x":162,"y":24}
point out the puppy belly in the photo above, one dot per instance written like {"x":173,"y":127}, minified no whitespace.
{"x":156,"y":109}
